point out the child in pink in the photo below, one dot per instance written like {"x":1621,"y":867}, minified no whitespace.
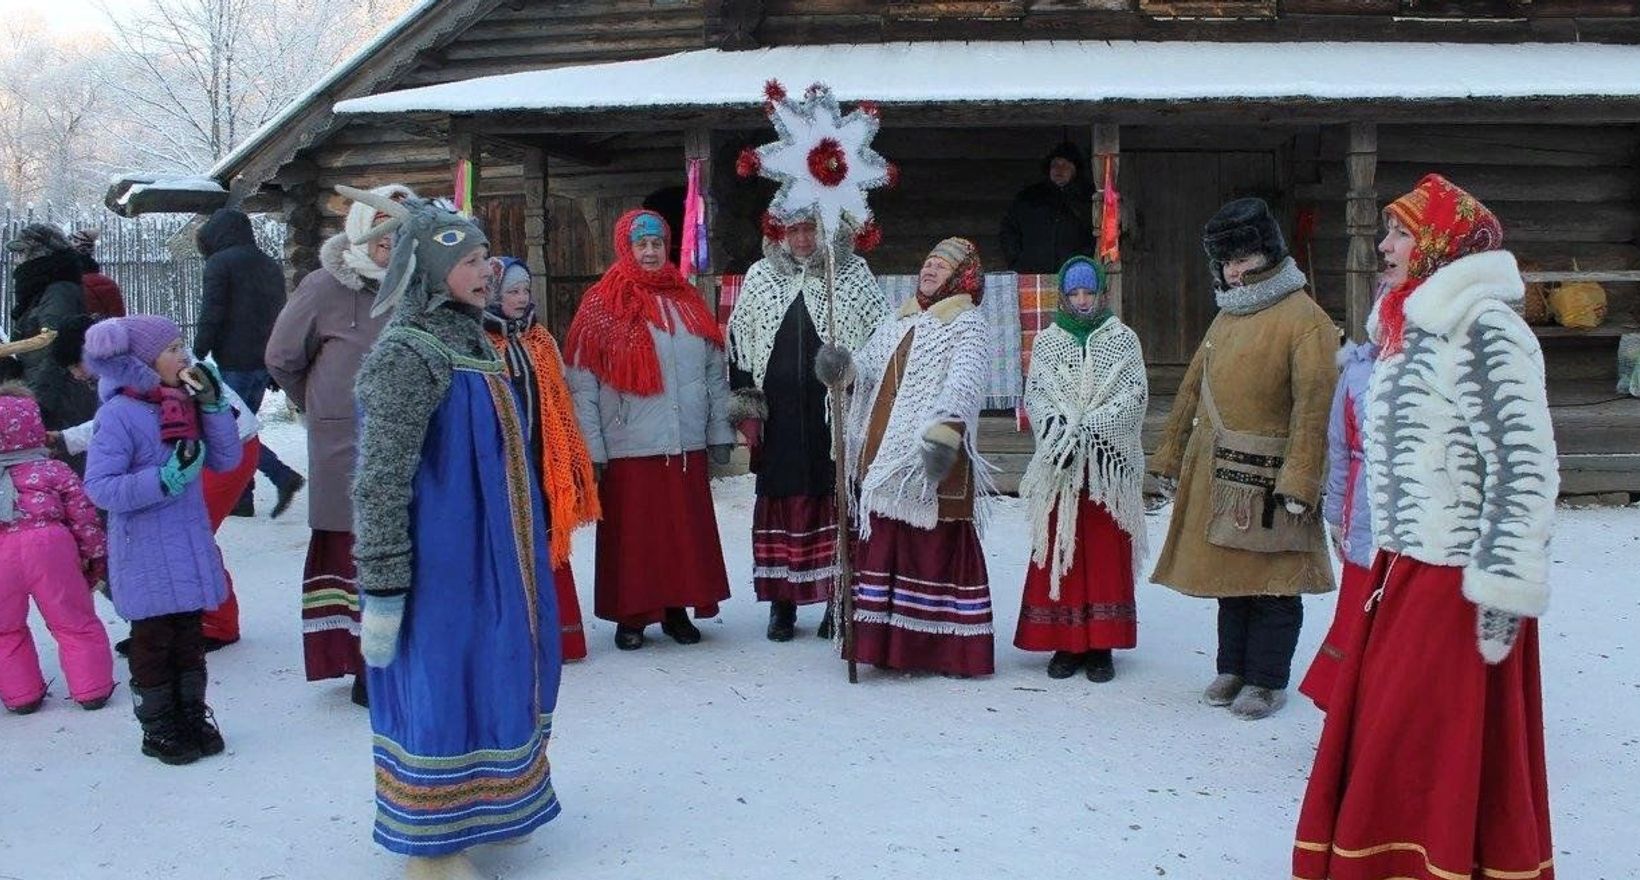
{"x":52,"y":548}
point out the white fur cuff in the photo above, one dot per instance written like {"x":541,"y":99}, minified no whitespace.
{"x":1516,"y":596}
{"x":944,"y":435}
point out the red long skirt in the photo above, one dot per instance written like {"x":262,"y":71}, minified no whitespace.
{"x":330,"y":607}
{"x":1095,"y":608}
{"x":1431,"y":761}
{"x":571,"y":635}
{"x":658,"y":545}
{"x":794,"y":548}
{"x":921,"y":599}
{"x":1347,"y":616}
{"x":222,"y":492}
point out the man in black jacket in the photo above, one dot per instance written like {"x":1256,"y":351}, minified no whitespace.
{"x":1051,"y":220}
{"x":244,"y":292}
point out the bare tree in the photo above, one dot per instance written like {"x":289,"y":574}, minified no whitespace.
{"x":49,"y":106}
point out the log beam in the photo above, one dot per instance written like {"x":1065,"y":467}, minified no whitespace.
{"x":535,"y":230}
{"x":1361,"y":223}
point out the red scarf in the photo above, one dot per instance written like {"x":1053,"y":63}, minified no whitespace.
{"x":1447,"y":224}
{"x":610,"y":333}
{"x":178,"y":416}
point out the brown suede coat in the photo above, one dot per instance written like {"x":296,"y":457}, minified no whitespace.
{"x":1273,"y":374}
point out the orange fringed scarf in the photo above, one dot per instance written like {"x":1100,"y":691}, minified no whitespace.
{"x":566,"y":467}
{"x":610,"y":333}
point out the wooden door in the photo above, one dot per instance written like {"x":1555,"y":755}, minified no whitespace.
{"x":1167,"y":293}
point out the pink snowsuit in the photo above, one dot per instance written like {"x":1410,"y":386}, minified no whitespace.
{"x":53,"y":534}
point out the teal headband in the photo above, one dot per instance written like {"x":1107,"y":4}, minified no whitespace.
{"x":647,"y":225}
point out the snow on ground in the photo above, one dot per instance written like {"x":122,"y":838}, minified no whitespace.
{"x":739,"y":758}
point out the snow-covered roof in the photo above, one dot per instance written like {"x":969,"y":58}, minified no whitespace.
{"x":1048,"y":70}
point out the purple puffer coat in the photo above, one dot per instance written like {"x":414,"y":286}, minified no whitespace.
{"x":162,"y":557}
{"x":1345,"y":500}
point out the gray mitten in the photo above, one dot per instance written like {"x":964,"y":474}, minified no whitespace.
{"x":1495,"y":631}
{"x":833,"y":365}
{"x":720,"y":453}
{"x":940,"y":445}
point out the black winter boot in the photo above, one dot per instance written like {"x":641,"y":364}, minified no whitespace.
{"x":287,"y":494}
{"x":677,"y":625}
{"x":361,"y":693}
{"x":164,"y":734}
{"x":197,"y":719}
{"x":1064,"y":664}
{"x":826,"y":627}
{"x":628,"y":638}
{"x":1101,"y":668}
{"x":782,"y":620}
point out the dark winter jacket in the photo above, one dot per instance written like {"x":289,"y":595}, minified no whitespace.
{"x":795,"y":458}
{"x":48,"y":293}
{"x":102,"y":293}
{"x":1048,"y":224}
{"x":244,"y":292}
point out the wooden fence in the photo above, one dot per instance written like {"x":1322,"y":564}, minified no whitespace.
{"x":153,"y":258}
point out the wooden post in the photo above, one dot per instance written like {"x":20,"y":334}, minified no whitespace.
{"x":1107,"y":142}
{"x":535,"y":230}
{"x":464,"y":149}
{"x":1361,"y":222}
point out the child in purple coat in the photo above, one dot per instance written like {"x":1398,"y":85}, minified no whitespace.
{"x":161,"y":423}
{"x":52,"y":550}
{"x":1344,"y":506}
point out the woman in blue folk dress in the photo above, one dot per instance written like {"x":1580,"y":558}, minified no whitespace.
{"x":460,"y":620}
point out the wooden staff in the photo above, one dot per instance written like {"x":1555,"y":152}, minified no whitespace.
{"x":843,"y":593}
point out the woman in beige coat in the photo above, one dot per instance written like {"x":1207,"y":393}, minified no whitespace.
{"x":1247,"y":444}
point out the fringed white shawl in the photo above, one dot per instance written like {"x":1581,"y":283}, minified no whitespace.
{"x":774,"y":282}
{"x":1099,"y":396}
{"x":943,"y":382}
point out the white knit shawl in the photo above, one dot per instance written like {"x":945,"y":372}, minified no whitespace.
{"x":943,"y":382}
{"x":1100,"y":396}
{"x":774,"y":282}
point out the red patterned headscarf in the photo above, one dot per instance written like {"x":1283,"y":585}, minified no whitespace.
{"x":967,"y":275}
{"x":610,"y":333}
{"x":1447,"y":224}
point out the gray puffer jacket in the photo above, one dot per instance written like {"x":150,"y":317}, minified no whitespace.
{"x":691,"y":414}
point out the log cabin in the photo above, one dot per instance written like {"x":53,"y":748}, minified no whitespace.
{"x":562,"y":114}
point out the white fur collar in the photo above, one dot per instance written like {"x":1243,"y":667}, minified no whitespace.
{"x":1453,"y":292}
{"x":945,"y":311}
{"x":330,"y":259}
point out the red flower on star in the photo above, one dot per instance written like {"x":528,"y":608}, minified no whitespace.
{"x":747,"y":164}
{"x":827,"y":162}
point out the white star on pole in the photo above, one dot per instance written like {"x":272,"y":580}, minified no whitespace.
{"x":823,"y":161}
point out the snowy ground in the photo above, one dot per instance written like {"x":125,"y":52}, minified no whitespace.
{"x":739,"y":758}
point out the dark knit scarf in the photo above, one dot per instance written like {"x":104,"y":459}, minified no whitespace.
{"x":178,"y":416}
{"x":517,"y":358}
{"x":1079,"y":325}
{"x":31,"y":278}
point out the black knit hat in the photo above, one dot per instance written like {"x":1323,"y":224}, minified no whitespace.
{"x":1069,"y":151}
{"x":1243,"y":228}
{"x":69,"y":345}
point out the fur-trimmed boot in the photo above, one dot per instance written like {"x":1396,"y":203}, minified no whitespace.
{"x":164,"y":734}
{"x":197,"y":719}
{"x":1254,"y":703}
{"x":451,"y":867}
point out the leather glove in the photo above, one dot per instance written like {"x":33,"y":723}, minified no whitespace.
{"x":96,"y":571}
{"x":187,"y":460}
{"x":379,"y":622}
{"x":1495,"y":633}
{"x":205,"y":385}
{"x":833,"y":365}
{"x":940,"y":445}
{"x":719,"y":453}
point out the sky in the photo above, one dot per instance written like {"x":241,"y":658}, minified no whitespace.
{"x":70,"y":16}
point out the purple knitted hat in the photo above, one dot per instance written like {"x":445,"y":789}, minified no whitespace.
{"x":122,"y":351}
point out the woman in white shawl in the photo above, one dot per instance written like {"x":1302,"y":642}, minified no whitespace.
{"x":1086,"y":394}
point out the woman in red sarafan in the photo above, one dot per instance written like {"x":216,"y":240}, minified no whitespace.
{"x":1431,"y":761}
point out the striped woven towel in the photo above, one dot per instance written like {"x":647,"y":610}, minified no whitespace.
{"x":1038,"y":302}
{"x":1005,"y":385}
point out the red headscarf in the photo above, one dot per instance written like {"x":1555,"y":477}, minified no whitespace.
{"x":610,"y":333}
{"x":1447,"y":224}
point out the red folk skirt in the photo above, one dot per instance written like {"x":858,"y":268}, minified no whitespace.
{"x":1353,"y":593}
{"x":222,"y":491}
{"x":658,"y":544}
{"x":794,"y":548}
{"x":330,"y":607}
{"x":921,"y":599}
{"x":1431,"y":761}
{"x":1096,"y":609}
{"x":571,"y":636}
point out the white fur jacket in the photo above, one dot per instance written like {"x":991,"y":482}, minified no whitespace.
{"x":943,"y":382}
{"x":1460,"y":451}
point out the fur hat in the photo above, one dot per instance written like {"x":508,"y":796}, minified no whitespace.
{"x":1071,"y":153}
{"x":122,"y":351}
{"x":1243,"y":228}
{"x":85,"y":241}
{"x":37,"y":240}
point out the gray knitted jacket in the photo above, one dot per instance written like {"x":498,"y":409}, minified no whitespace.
{"x":1460,"y":450}
{"x":403,"y":380}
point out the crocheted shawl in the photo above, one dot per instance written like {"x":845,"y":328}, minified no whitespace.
{"x":943,"y":382}
{"x":610,"y":334}
{"x":1099,"y":394}
{"x":566,"y":467}
{"x":776,"y":280}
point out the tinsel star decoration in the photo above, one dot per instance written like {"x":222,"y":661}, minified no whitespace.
{"x":823,"y":161}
